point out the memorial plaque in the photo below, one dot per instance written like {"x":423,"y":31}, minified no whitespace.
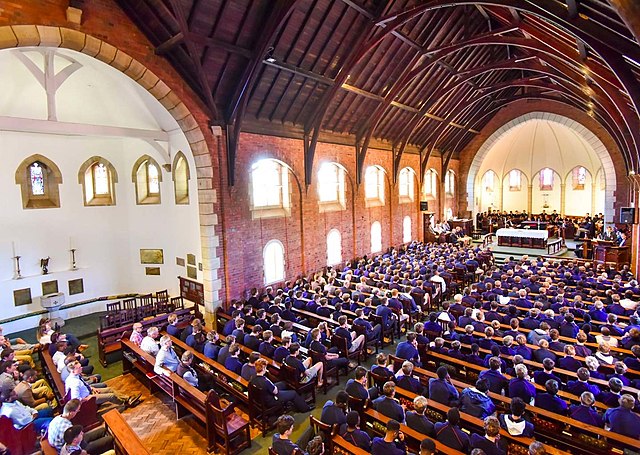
{"x":50,"y":287}
{"x":152,"y":271}
{"x":192,"y":272}
{"x":191,"y":259}
{"x":76,"y":286}
{"x":180,"y":262}
{"x":22,"y":296}
{"x":151,"y":256}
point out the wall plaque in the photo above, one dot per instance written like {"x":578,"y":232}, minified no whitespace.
{"x":76,"y":286}
{"x":50,"y":287}
{"x":155,"y":256}
{"x":191,"y":259}
{"x":180,"y":262}
{"x":22,"y":296}
{"x":192,"y":272}
{"x":152,"y":271}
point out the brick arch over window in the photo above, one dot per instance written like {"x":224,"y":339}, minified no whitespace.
{"x":49,"y":36}
{"x":52,"y":178}
{"x":598,"y":146}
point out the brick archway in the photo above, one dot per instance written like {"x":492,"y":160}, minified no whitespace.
{"x":520,"y":112}
{"x":48,"y":36}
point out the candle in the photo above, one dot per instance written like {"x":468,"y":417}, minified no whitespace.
{"x":13,"y":248}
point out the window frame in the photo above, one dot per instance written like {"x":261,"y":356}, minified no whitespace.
{"x":543,"y":185}
{"x":575,"y":178}
{"x":486,"y":187}
{"x":517,"y":187}
{"x":430,"y":178}
{"x":338,"y":254}
{"x":277,"y":279}
{"x":141,"y":184}
{"x":376,"y":247}
{"x":404,"y":229}
{"x":283,"y":207}
{"x":87,"y":172}
{"x":179,"y":197}
{"x":377,"y":199}
{"x":408,"y":175}
{"x":449,"y":183}
{"x":337,"y":186}
{"x":51,"y":177}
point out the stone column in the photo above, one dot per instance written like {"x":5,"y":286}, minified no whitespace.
{"x":563,"y":197}
{"x":530,"y":198}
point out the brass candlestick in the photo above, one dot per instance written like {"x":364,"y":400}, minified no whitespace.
{"x":16,"y":273}
{"x":73,"y":259}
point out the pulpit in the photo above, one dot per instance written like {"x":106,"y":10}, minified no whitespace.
{"x":429,"y":235}
{"x":604,"y":251}
{"x":466,"y":225}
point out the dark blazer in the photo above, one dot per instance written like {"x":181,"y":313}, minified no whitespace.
{"x":419,"y":423}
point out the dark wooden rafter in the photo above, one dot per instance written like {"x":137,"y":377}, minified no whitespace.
{"x":181,"y":19}
{"x":236,"y":110}
{"x":629,"y":11}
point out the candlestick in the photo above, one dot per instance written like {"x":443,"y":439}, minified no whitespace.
{"x":16,"y":272}
{"x":73,"y":259}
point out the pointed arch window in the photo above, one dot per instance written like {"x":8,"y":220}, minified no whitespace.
{"x":406,"y":229}
{"x":273,"y":262}
{"x":546,"y":179}
{"x":98,"y":177}
{"x":515,"y":180}
{"x":376,"y":237}
{"x":489,"y":181}
{"x":270,"y":191}
{"x":450,"y":182}
{"x":374,"y":186}
{"x":147,"y":177}
{"x":181,"y":177}
{"x":406,"y":185}
{"x":431,"y":183}
{"x":331,"y":187}
{"x":579,"y":177}
{"x":39,"y":178}
{"x":334,"y":247}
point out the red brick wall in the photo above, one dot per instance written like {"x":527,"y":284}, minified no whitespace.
{"x":304,"y":232}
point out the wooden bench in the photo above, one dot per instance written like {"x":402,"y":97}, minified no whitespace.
{"x":109,"y":339}
{"x":125,"y":441}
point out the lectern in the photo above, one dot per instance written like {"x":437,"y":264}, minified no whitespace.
{"x":604,"y":251}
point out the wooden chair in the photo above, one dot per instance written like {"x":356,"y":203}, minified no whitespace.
{"x":326,"y":431}
{"x":130,"y":307}
{"x":45,"y":447}
{"x":232,"y":432}
{"x":176,"y":303}
{"x":377,"y":380}
{"x":374,"y":343}
{"x":386,"y":332}
{"x":113,"y":307}
{"x":296,"y":451}
{"x":147,"y":307}
{"x":333,"y":371}
{"x":340,"y":342}
{"x":259,"y":411}
{"x":292,"y":378}
{"x":162,"y":296}
{"x":19,"y":442}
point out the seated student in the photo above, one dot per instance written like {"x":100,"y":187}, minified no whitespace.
{"x":417,"y":420}
{"x":543,"y":352}
{"x":450,"y":434}
{"x":267,"y":348}
{"x":305,"y":369}
{"x":498,"y":383}
{"x":387,"y":404}
{"x":238,"y":332}
{"x":522,"y":349}
{"x":352,"y":433}
{"x":427,"y":447}
{"x":495,"y":352}
{"x":455,"y":352}
{"x":211,"y":347}
{"x":252,"y":339}
{"x":274,"y":394}
{"x":392,"y":443}
{"x":94,"y":442}
{"x":381,"y":368}
{"x":612,"y":396}
{"x":437,"y":345}
{"x":432,"y":325}
{"x":22,"y":415}
{"x":408,"y":350}
{"x":372,"y":332}
{"x":282,"y":351}
{"x":76,"y":387}
{"x":582,"y":384}
{"x":189,"y":374}
{"x":515,"y":423}
{"x":487,"y":342}
{"x":520,"y":386}
{"x":623,"y":420}
{"x":223,"y":354}
{"x":476,"y":401}
{"x":357,"y":386}
{"x":335,"y":412}
{"x":569,"y":362}
{"x":441,"y":389}
{"x":353,"y":342}
{"x":581,"y":349}
{"x":196,"y":338}
{"x":74,"y":440}
{"x":149,"y":343}
{"x":281,"y":442}
{"x":468,"y":337}
{"x":332,"y":358}
{"x":620,"y":369}
{"x":175,"y":331}
{"x":593,"y":364}
{"x":249,"y":369}
{"x":549,"y":400}
{"x":261,"y":319}
{"x":584,"y":412}
{"x":406,"y":380}
{"x":489,"y":442}
{"x":633,"y":361}
{"x":233,"y":362}
{"x":418,"y":327}
{"x":541,"y":377}
{"x":474,"y":356}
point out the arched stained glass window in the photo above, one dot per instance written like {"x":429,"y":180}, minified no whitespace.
{"x":37,"y":179}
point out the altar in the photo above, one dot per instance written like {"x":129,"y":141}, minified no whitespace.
{"x":522,"y":238}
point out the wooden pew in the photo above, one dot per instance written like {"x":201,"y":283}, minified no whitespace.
{"x":109,"y":339}
{"x":125,"y":441}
